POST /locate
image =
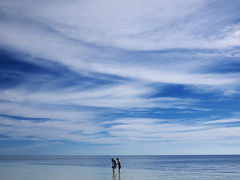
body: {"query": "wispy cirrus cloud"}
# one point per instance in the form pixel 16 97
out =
pixel 119 131
pixel 164 130
pixel 121 96
pixel 54 32
pixel 106 72
pixel 48 130
pixel 229 120
pixel 139 24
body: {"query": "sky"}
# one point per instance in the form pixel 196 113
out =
pixel 100 77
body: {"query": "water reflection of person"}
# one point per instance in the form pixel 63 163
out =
pixel 119 178
pixel 114 176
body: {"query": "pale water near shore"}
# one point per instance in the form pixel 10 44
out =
pixel 134 168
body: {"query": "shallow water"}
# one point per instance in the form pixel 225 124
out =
pixel 134 167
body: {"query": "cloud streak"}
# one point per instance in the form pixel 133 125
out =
pixel 49 29
pixel 103 72
pixel 138 25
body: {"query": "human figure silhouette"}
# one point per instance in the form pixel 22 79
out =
pixel 119 165
pixel 114 165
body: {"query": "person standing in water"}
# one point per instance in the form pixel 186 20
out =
pixel 119 164
pixel 114 165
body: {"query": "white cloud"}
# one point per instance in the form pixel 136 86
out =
pixel 129 95
pixel 230 120
pixel 49 130
pixel 104 37
pixel 48 111
pixel 136 25
pixel 125 25
pixel 120 131
pixel 163 130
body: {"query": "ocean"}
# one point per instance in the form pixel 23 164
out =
pixel 162 167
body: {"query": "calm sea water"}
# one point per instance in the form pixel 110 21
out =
pixel 133 167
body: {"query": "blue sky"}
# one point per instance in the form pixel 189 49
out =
pixel 120 77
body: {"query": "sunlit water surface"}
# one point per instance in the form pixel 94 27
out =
pixel 133 167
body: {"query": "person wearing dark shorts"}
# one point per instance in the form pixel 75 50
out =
pixel 119 164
